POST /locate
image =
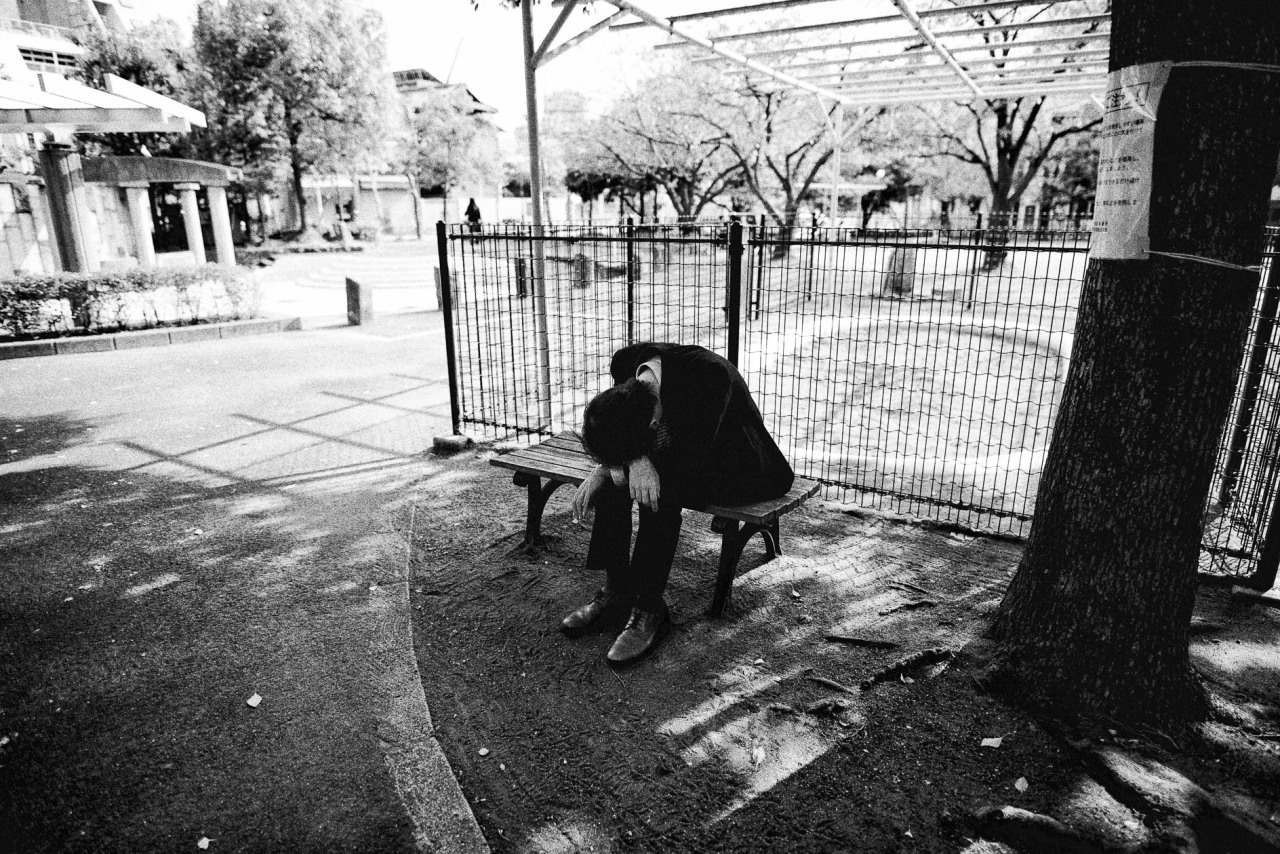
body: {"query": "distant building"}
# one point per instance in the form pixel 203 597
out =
pixel 42 35
pixel 414 82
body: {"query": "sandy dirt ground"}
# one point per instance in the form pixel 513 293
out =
pixel 724 741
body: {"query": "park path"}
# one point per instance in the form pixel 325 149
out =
pixel 194 526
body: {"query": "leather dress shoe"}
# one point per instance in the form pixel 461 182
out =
pixel 639 638
pixel 585 618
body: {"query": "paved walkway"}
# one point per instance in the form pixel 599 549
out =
pixel 187 528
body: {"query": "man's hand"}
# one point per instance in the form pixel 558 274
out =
pixel 586 494
pixel 643 479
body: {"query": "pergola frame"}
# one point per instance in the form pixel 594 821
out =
pixel 1040 56
pixel 864 74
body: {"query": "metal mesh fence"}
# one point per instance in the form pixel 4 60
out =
pixel 1240 539
pixel 912 371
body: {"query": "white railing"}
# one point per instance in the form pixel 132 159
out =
pixel 52 31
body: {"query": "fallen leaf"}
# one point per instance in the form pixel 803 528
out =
pixel 484 751
pixel 993 742
pixel 203 843
pixel 253 701
pixel 1021 784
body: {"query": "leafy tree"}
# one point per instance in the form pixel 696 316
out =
pixel 899 186
pixel 1069 178
pixel 657 133
pixel 1096 619
pixel 154 56
pixel 305 80
pixel 454 144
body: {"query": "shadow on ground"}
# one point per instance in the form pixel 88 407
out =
pixel 140 611
pixel 722 740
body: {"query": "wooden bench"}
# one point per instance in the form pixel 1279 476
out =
pixel 561 460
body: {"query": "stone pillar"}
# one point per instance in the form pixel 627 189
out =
pixel 191 220
pixel 140 216
pixel 68 207
pixel 220 214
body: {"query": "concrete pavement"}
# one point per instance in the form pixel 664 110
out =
pixel 189 527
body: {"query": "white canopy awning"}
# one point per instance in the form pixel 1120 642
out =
pixel 63 107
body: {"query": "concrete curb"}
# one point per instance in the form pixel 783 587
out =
pixel 428 788
pixel 147 337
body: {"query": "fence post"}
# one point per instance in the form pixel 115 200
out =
pixel 813 251
pixel 631 280
pixel 757 281
pixel 973 265
pixel 1252 381
pixel 734 317
pixel 446 305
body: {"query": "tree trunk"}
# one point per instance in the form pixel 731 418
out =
pixel 417 207
pixel 1096 618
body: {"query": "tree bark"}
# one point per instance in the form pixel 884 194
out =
pixel 1096 619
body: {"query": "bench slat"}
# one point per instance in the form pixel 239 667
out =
pixel 562 458
pixel 557 470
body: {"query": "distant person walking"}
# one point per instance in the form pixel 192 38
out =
pixel 473 216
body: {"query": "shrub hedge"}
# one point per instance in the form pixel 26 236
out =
pixel 39 304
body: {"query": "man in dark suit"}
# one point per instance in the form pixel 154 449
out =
pixel 678 428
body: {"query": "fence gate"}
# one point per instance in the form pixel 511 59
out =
pixel 915 371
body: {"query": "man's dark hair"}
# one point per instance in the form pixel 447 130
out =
pixel 616 428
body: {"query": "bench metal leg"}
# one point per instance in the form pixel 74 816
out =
pixel 733 539
pixel 538 497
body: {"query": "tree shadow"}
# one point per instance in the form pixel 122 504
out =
pixel 144 605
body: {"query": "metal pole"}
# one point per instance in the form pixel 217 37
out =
pixel 541 345
pixel 631 281
pixel 446 306
pixel 735 291
pixel 835 181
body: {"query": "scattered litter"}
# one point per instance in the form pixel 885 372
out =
pixel 830 683
pixel 1021 784
pixel 854 641
pixel 804 618
pixel 198 532
pixel 253 701
pixel 203 843
pixel 757 755
pixel 909 606
pixel 502 767
pixel 86 586
pixel 795 594
pixel 905 679
pixel 908 834
pixel 4 739
pixel 993 742
pixel 69 599
pixel 484 751
pixel 829 706
pixel 758 662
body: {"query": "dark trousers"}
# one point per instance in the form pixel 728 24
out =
pixel 643 576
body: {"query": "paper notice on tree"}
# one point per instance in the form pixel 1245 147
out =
pixel 1122 211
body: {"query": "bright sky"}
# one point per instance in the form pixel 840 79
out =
pixel 482 47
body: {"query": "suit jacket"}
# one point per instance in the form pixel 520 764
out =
pixel 720 450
